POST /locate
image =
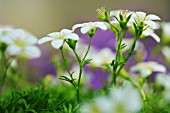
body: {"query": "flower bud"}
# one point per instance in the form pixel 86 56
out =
pixel 3 46
pixel 103 14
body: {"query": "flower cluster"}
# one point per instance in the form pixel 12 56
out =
pixel 125 99
pixel 19 42
pixel 120 91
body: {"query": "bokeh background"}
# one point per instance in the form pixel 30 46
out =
pixel 43 16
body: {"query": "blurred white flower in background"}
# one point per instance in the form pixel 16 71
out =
pixel 57 38
pixel 125 99
pixel 99 57
pixel 128 42
pixel 20 42
pixel 4 34
pixel 86 27
pixel 147 68
pixel 164 80
pixel 165 29
pixel 166 52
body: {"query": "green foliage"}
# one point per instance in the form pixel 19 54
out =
pixel 38 100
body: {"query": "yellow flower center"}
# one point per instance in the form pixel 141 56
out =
pixel 19 42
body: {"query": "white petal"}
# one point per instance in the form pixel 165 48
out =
pixel 31 40
pixel 145 72
pixel 6 39
pixel 114 22
pixel 166 52
pixel 85 29
pixel 159 68
pixel 156 37
pixel 101 25
pixel 14 50
pixel 152 17
pixel 72 36
pixel 135 68
pixel 166 28
pixel 77 26
pixel 151 24
pixel 18 33
pixel 141 15
pixel 57 43
pixel 164 80
pixel 33 51
pixel 66 32
pixel 44 39
pixel 54 34
pixel 114 13
pixel 148 32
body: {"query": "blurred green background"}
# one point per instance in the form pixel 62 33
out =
pixel 44 16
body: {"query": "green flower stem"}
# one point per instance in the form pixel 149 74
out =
pixel 87 49
pixel 80 73
pixel 126 76
pixel 3 69
pixel 118 52
pixel 114 28
pixel 65 63
pixel 139 88
pixel 81 68
pixel 129 55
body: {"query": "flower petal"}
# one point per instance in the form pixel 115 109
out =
pixel 141 15
pixel 18 33
pixel 6 39
pixel 85 29
pixel 72 36
pixel 77 26
pixel 152 17
pixel 14 50
pixel 57 43
pixel 54 34
pixel 33 51
pixel 151 24
pixel 156 37
pixel 101 25
pixel 159 68
pixel 31 40
pixel 66 32
pixel 148 31
pixel 44 39
pixel 145 72
pixel 114 13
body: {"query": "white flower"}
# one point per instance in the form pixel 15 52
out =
pixel 99 57
pixel 146 68
pixel 124 13
pixel 57 38
pixel 86 27
pixel 166 52
pixel 125 99
pixel 129 42
pixel 163 80
pixel 150 32
pixel 166 29
pixel 21 43
pixel 5 34
pixel 141 18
